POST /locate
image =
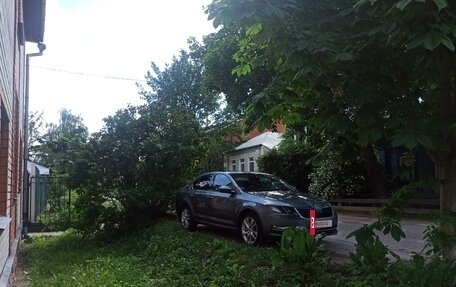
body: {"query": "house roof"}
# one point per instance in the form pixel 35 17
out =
pixel 267 139
pixel 41 169
pixel 34 17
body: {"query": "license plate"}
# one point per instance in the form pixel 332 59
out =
pixel 323 223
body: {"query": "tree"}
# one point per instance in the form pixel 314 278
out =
pixel 58 147
pixel 179 85
pixel 218 59
pixel 35 131
pixel 291 161
pixel 130 170
pixel 375 72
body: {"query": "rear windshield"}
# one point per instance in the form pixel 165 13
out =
pixel 260 182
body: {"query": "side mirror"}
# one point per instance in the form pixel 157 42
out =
pixel 225 189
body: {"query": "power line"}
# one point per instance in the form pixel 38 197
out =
pixel 87 74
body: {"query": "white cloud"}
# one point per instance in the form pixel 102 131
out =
pixel 107 38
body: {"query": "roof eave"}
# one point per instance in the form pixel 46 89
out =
pixel 34 19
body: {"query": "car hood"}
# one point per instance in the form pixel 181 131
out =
pixel 292 198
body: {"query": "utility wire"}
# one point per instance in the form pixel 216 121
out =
pixel 87 74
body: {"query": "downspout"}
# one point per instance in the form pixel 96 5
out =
pixel 26 201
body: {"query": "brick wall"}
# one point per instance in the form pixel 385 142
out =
pixel 6 152
pixel 12 61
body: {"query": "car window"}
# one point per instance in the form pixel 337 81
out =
pixel 222 180
pixel 260 182
pixel 204 182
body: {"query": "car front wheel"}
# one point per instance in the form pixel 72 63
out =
pixel 251 229
pixel 186 219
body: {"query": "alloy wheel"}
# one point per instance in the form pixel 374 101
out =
pixel 185 218
pixel 249 230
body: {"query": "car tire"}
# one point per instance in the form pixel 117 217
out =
pixel 186 219
pixel 250 229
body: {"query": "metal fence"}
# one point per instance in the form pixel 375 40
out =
pixel 49 203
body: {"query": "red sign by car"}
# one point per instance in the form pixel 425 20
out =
pixel 312 222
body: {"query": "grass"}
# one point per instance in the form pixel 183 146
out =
pixel 167 255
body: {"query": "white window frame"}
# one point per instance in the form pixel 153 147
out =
pixel 233 165
pixel 251 163
pixel 242 164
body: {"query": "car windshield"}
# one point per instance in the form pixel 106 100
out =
pixel 260 182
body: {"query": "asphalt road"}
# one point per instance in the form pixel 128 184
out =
pixel 340 246
pixel 413 229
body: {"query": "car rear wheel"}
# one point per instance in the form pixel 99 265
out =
pixel 251 229
pixel 186 219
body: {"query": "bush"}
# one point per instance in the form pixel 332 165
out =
pixel 131 170
pixel 298 247
pixel 422 272
pixel 337 177
pixel 291 162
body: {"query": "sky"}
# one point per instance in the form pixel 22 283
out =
pixel 97 50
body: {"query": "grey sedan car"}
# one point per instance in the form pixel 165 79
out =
pixel 259 205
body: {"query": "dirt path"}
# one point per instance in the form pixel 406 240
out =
pixel 20 277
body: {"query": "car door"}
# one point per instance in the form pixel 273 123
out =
pixel 223 204
pixel 200 195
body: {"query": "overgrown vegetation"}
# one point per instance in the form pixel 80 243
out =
pixel 167 255
pixel 335 176
pixel 291 162
pixel 370 72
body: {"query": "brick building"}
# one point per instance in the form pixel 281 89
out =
pixel 20 21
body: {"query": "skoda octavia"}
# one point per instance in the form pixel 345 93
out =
pixel 258 205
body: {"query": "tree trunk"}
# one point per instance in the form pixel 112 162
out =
pixel 447 176
pixel 375 179
pixel 446 159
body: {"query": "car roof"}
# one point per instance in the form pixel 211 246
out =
pixel 233 172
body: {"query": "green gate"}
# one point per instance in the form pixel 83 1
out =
pixel 50 203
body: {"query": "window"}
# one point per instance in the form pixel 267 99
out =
pixel 406 167
pixel 251 163
pixel 233 165
pixel 204 182
pixel 242 164
pixel 260 182
pixel 221 180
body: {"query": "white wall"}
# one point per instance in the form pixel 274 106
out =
pixel 245 154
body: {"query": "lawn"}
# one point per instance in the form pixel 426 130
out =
pixel 162 255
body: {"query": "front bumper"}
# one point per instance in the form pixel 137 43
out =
pixel 277 223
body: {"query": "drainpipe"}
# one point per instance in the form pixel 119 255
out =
pixel 26 195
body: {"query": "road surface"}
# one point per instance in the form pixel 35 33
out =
pixel 340 246
pixel 413 229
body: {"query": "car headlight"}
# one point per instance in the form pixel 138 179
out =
pixel 285 210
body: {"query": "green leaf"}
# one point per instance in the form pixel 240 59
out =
pixel 217 21
pixel 407 139
pixel 441 4
pixel 432 40
pixel 342 57
pixel 253 29
pixel 402 4
pixel 377 29
pixel 453 126
pixel 447 42
pixel 416 42
pixel 397 233
pixel 242 70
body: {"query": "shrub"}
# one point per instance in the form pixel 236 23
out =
pixel 290 161
pixel 337 177
pixel 422 272
pixel 297 246
pixel 131 170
